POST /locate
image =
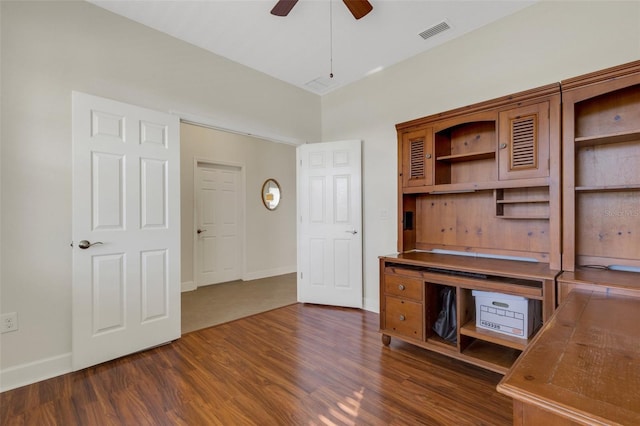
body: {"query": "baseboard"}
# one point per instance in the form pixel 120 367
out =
pixel 32 372
pixel 269 273
pixel 188 286
pixel 372 305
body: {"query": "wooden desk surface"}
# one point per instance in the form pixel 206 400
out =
pixel 584 365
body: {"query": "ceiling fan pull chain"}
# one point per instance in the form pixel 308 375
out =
pixel 330 38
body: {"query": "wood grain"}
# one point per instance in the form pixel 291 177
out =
pixel 584 365
pixel 301 364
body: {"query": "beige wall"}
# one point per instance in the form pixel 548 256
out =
pixel 542 44
pixel 270 236
pixel 49 49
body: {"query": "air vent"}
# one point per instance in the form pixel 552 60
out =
pixel 321 85
pixel 436 29
pixel 417 159
pixel 523 143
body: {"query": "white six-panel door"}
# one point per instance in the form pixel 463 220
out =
pixel 218 214
pixel 330 223
pixel 126 202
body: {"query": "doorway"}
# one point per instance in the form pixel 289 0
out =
pixel 267 238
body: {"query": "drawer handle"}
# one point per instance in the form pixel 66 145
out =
pixel 402 318
pixel 401 287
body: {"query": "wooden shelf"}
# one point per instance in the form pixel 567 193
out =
pixel 497 355
pixel 618 137
pixel 439 341
pixel 470 329
pixel 608 188
pixel 530 217
pixel 471 156
pixel 539 200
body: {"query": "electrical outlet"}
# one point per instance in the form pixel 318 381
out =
pixel 9 322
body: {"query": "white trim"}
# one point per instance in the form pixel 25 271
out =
pixel 269 273
pixel 237 128
pixel 187 286
pixel 32 372
pixel 243 202
pixel 372 305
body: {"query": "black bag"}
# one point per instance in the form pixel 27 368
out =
pixel 445 325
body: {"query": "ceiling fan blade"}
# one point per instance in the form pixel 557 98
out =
pixel 358 8
pixel 283 7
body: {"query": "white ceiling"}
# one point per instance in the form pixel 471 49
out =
pixel 297 48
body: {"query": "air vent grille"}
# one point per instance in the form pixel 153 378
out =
pixel 417 159
pixel 436 29
pixel 523 143
pixel 321 85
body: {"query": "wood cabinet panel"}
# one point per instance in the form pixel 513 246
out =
pixel 399 285
pixel 469 220
pixel 404 317
pixel 524 142
pixel 416 151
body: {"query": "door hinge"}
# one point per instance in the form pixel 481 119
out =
pixel 300 275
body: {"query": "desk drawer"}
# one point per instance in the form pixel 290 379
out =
pixel 402 286
pixel 404 317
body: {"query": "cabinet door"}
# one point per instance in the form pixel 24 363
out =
pixel 524 142
pixel 417 158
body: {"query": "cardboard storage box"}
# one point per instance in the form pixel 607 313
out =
pixel 513 315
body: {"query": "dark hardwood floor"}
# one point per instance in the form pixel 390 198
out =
pixel 297 365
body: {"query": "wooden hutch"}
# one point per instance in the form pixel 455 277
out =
pixel 482 181
pixel 601 182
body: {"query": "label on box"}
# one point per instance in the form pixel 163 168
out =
pixel 502 320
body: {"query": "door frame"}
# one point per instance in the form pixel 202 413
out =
pixel 241 204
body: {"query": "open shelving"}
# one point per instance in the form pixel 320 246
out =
pixel 432 272
pixel 601 140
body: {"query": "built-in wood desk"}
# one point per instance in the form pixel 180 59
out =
pixel 583 367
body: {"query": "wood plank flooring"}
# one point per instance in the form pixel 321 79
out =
pixel 296 365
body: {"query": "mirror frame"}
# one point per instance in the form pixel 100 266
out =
pixel 269 204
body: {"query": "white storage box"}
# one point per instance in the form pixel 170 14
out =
pixel 513 315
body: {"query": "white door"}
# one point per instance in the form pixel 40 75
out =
pixel 330 223
pixel 218 213
pixel 126 202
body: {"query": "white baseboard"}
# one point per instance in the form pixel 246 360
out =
pixel 372 305
pixel 269 273
pixel 188 286
pixel 32 372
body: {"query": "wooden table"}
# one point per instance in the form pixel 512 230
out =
pixel 583 367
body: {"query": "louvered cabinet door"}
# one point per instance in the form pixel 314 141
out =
pixel 417 158
pixel 524 142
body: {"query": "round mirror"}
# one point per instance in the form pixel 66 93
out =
pixel 271 194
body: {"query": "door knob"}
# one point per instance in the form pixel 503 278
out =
pixel 84 244
pixel 354 232
pixel 200 231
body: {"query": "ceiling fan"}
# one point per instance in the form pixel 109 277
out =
pixel 358 8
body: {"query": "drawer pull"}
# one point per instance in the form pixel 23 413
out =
pixel 402 318
pixel 401 287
